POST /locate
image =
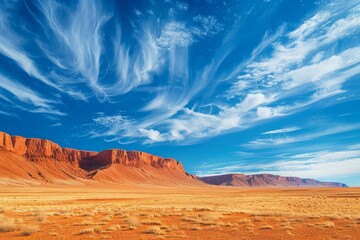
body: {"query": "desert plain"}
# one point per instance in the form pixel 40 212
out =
pixel 178 212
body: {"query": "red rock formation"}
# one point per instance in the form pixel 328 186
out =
pixel 112 156
pixel 37 149
pixel 19 145
pixel 36 160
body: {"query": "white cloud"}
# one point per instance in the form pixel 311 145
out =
pixel 207 26
pixel 182 6
pixel 29 99
pixel 282 130
pixel 112 120
pixel 251 101
pixel 152 135
pixel 292 52
pixel 237 89
pixel 270 142
pixel 132 69
pixel 317 71
pixel 270 112
pixel 138 12
pixel 76 44
pixel 58 124
pixel 305 64
pixel 10 46
pixel 175 34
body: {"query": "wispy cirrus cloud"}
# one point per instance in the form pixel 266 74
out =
pixel 282 130
pixel 27 99
pixel 183 75
pixel 74 45
pixel 10 46
pixel 314 134
pixel 298 64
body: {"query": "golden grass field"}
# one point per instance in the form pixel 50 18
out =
pixel 101 212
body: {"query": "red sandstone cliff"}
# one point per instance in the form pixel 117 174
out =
pixel 109 165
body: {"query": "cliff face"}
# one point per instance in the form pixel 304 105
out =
pixel 36 149
pixel 264 180
pixel 40 151
pixel 5 141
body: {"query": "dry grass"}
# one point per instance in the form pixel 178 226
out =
pixel 155 230
pixel 113 227
pixel 106 218
pixel 86 231
pixel 28 230
pixel 257 219
pixel 151 222
pixel 244 221
pixel 7 225
pixel 327 224
pixel 196 228
pixel 194 215
pixel 133 222
pixel 85 222
pixel 266 227
pixel 40 216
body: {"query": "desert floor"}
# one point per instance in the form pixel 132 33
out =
pixel 178 213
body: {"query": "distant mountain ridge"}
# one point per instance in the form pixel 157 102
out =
pixel 265 180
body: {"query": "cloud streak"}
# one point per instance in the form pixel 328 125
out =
pixel 30 100
pixel 314 134
pixel 282 130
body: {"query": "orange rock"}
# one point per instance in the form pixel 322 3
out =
pixel 34 148
pixel 113 156
pixel 19 145
pixel 5 141
pixel 41 148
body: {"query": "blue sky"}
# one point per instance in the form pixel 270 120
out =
pixel 223 86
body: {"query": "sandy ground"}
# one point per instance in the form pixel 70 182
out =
pixel 178 213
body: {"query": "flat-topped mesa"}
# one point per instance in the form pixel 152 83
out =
pixel 37 149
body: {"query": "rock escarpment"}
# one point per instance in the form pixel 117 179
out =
pixel 36 149
pixel 88 164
